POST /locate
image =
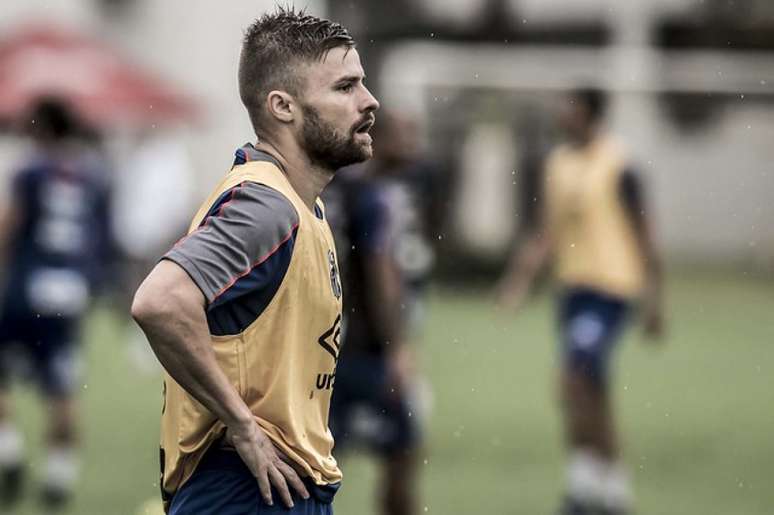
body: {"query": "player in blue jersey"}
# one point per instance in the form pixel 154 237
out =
pixel 54 237
pixel 376 213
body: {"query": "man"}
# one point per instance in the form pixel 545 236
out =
pixel 386 260
pixel 594 225
pixel 245 312
pixel 54 232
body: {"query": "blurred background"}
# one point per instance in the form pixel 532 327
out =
pixel 691 83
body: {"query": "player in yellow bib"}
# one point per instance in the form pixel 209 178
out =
pixel 595 230
pixel 244 313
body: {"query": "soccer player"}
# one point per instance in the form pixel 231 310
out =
pixel 377 218
pixel 596 230
pixel 244 313
pixel 54 234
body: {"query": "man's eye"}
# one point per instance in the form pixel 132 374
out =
pixel 345 88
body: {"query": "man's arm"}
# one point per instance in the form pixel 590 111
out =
pixel 523 267
pixel 10 216
pixel 384 298
pixel 529 257
pixel 634 202
pixel 170 309
pixel 372 217
pixel 9 220
pixel 180 303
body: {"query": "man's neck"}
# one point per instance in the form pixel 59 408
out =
pixel 584 140
pixel 307 180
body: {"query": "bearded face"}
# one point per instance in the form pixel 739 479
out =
pixel 332 148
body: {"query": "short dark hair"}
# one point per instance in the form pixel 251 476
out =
pixel 274 45
pixel 594 99
pixel 52 118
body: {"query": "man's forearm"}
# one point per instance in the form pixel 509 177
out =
pixel 654 288
pixel 187 356
pixel 525 264
pixel 384 299
pixel 174 322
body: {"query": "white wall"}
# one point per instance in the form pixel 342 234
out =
pixel 713 189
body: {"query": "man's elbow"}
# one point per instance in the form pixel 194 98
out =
pixel 147 305
pixel 165 296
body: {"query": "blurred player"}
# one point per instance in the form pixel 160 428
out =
pixel 55 236
pixel 385 259
pixel 596 230
pixel 245 312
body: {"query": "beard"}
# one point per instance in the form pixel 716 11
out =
pixel 328 147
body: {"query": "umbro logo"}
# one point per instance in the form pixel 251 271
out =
pixel 329 340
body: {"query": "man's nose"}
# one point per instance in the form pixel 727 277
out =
pixel 370 103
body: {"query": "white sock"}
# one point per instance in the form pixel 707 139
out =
pixel 11 445
pixel 617 488
pixel 586 477
pixel 62 468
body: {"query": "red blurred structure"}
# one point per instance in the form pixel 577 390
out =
pixel 105 88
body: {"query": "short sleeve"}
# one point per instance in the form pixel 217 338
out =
pixel 245 227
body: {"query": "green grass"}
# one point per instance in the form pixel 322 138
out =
pixel 696 414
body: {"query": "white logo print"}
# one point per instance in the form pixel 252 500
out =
pixel 334 272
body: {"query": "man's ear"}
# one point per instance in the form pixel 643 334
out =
pixel 281 105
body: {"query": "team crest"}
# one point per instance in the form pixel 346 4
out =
pixel 334 271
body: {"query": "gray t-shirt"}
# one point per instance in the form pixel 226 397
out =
pixel 239 254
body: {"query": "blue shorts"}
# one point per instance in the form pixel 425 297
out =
pixel 590 323
pixel 223 485
pixel 363 410
pixel 42 349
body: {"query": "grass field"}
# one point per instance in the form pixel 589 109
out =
pixel 697 413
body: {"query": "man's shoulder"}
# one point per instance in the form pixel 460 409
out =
pixel 267 197
pixel 558 154
pixel 256 203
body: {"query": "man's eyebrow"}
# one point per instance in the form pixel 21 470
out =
pixel 351 78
